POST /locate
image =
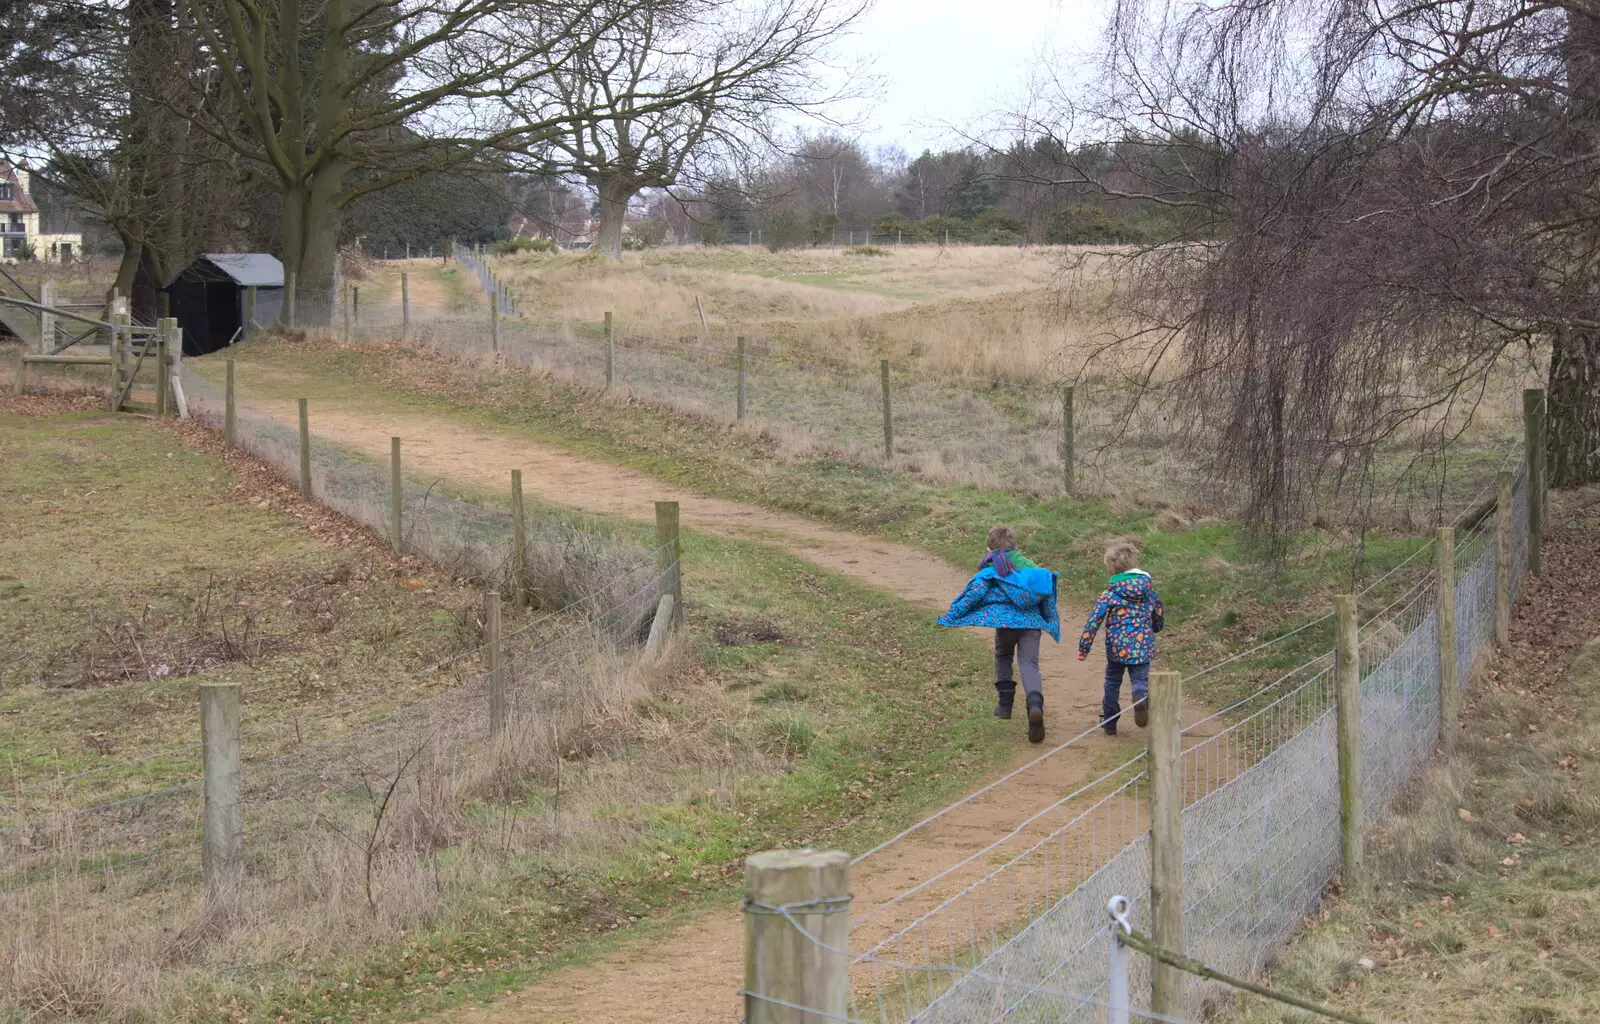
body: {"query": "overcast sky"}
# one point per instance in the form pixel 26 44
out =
pixel 956 62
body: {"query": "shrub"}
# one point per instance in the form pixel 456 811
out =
pixel 522 243
pixel 866 250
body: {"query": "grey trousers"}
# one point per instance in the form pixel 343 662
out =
pixel 1018 645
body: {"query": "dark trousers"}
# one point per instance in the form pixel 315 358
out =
pixel 1012 645
pixel 1138 675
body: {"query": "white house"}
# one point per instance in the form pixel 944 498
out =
pixel 19 223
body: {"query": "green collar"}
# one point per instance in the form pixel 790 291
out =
pixel 1132 574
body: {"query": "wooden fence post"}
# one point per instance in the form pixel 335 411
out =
pixel 611 354
pixel 740 402
pixel 519 542
pixel 397 499
pixel 345 309
pixel 497 670
pixel 1533 442
pixel 288 299
pixel 797 958
pixel 305 451
pixel 1347 695
pixel 1166 837
pixel 1069 440
pixel 405 301
pixel 230 412
pixel 249 311
pixel 47 318
pixel 669 553
pixel 494 320
pixel 888 411
pixel 22 374
pixel 355 303
pixel 1444 551
pixel 1502 561
pixel 222 821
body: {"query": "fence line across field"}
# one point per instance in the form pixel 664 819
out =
pixel 1267 812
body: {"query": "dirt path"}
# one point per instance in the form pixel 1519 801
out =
pixel 693 976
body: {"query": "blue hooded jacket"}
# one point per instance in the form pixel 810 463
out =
pixel 1021 599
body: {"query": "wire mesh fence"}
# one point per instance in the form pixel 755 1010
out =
pixel 1017 931
pixel 952 429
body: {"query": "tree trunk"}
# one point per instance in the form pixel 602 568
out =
pixel 127 268
pixel 614 196
pixel 1572 446
pixel 311 218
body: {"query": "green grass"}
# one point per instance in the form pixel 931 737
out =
pixel 130 565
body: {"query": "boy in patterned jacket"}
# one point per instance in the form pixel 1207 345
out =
pixel 1132 615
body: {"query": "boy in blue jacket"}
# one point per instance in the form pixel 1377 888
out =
pixel 1132 614
pixel 1017 599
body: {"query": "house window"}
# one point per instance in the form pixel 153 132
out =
pixel 66 251
pixel 5 191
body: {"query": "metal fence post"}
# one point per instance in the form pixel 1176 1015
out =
pixel 888 411
pixel 249 312
pixel 305 451
pixel 497 671
pixel 519 542
pixel 1533 441
pixel 397 493
pixel 1117 1000
pixel 1502 560
pixel 1347 694
pixel 1069 441
pixel 355 303
pixel 405 302
pixel 345 308
pixel 796 933
pixel 222 823
pixel 1166 837
pixel 230 412
pixel 669 552
pixel 611 353
pixel 740 403
pixel 1445 621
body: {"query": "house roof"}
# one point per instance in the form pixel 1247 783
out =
pixel 20 201
pixel 249 268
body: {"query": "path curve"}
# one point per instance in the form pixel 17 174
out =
pixel 693 975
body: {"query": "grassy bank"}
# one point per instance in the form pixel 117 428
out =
pixel 1485 902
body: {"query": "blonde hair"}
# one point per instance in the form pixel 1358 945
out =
pixel 1002 538
pixel 1122 555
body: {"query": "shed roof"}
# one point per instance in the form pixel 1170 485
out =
pixel 248 269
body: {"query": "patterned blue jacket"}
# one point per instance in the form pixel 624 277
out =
pixel 1132 614
pixel 1026 599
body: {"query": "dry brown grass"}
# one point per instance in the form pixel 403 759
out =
pixel 334 869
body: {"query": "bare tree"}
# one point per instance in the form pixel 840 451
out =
pixel 684 88
pixel 335 99
pixel 1369 206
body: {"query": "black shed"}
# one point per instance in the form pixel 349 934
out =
pixel 208 297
